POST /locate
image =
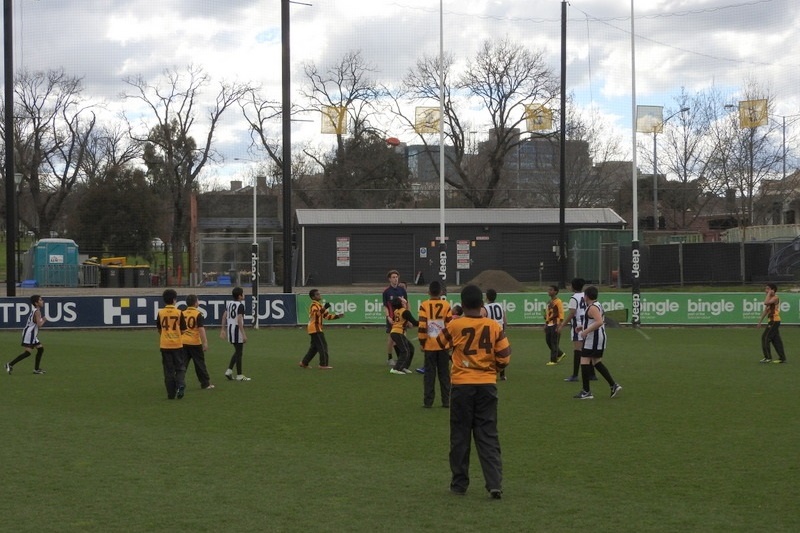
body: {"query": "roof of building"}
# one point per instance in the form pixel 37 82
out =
pixel 460 216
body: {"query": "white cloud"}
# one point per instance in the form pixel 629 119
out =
pixel 680 43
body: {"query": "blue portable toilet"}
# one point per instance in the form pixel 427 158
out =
pixel 55 263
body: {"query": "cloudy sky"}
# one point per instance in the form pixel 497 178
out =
pixel 691 44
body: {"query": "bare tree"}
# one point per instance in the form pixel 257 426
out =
pixel 53 125
pixel 173 156
pixel 501 80
pixel 744 154
pixel 685 153
pixel 361 171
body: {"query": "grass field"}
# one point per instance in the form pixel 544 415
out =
pixel 702 438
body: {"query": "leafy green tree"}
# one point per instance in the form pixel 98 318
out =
pixel 117 212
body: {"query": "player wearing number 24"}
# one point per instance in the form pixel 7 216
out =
pixel 480 349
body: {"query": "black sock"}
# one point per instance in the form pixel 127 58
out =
pixel 19 358
pixel 389 356
pixel 585 373
pixel 39 352
pixel 576 362
pixel 600 367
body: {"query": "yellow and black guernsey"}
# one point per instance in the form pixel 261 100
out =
pixel 171 324
pixel 194 321
pixel 480 350
pixel 434 314
pixel 316 314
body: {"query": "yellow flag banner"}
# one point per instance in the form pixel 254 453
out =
pixel 426 119
pixel 538 117
pixel 752 113
pixel 334 120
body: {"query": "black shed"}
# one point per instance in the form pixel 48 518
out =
pixel 346 246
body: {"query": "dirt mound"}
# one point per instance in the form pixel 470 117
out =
pixel 498 280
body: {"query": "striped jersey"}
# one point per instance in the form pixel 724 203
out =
pixel 316 314
pixel 577 303
pixel 774 310
pixel 194 321
pixel 433 315
pixel 496 312
pixel 554 313
pixel 480 350
pixel 595 340
pixel 403 319
pixel 30 333
pixel 233 310
pixel 170 324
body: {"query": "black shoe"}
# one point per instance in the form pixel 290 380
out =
pixel 458 491
pixel 180 392
pixel 496 494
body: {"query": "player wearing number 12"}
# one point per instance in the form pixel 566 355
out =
pixel 434 314
pixel 480 349
pixel 171 325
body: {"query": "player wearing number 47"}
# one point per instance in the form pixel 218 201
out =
pixel 434 314
pixel 316 314
pixel 171 324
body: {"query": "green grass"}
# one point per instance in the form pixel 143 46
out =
pixel 702 438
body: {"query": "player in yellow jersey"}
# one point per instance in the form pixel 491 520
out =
pixel 772 335
pixel 552 319
pixel 434 314
pixel 479 349
pixel 402 320
pixel 316 314
pixel 195 342
pixel 171 324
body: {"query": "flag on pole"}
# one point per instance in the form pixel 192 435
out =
pixel 334 120
pixel 752 113
pixel 538 117
pixel 426 119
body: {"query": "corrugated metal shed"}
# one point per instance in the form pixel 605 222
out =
pixel 328 217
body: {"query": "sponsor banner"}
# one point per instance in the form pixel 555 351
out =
pixel 138 311
pixel 656 309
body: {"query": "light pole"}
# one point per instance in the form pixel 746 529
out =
pixel 254 248
pixel 657 128
pixel 17 182
pixel 8 120
pixel 254 254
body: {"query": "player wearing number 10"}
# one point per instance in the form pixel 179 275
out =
pixel 480 349
pixel 195 341
pixel 171 324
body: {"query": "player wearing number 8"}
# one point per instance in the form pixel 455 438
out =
pixel 480 349
pixel 433 315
